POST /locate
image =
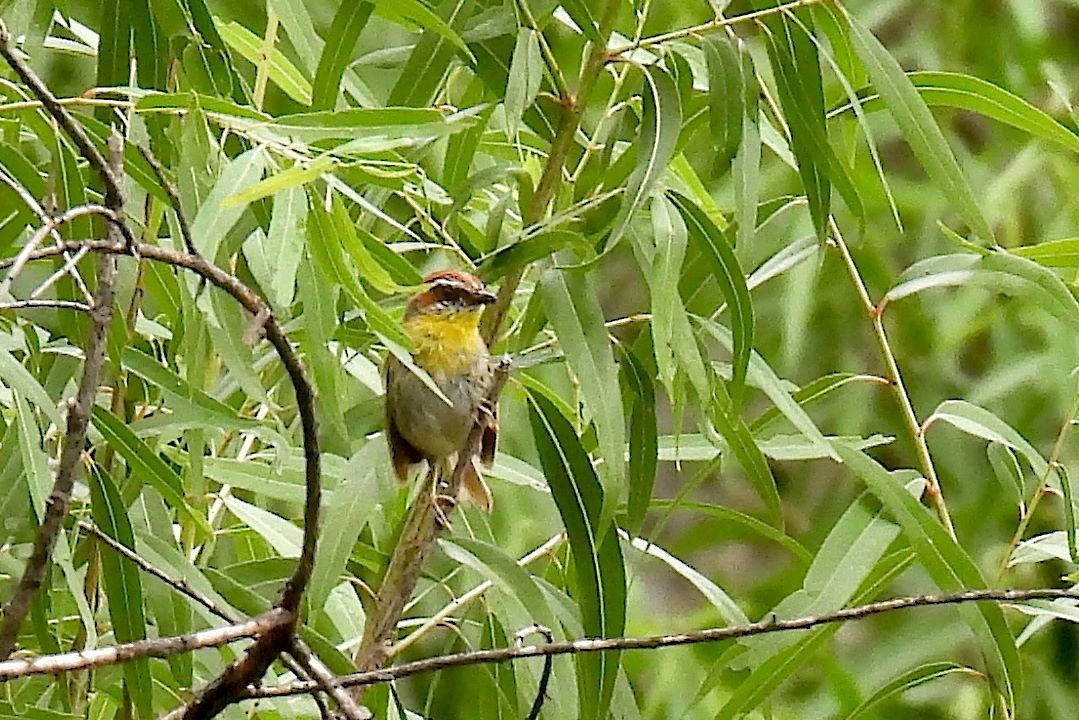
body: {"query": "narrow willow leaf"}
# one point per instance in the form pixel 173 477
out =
pixel 951 569
pixel 284 180
pixel 744 447
pixel 348 507
pixel 766 677
pixel 284 537
pixel 816 390
pixel 214 219
pixel 761 375
pixel 597 557
pixel 1007 470
pixel 526 74
pixel 997 271
pixel 719 599
pixel 341 43
pixel 145 464
pixel 123 587
pixel 979 422
pixel 726 96
pixel 643 442
pixel 281 71
pixel 732 282
pixel 285 244
pixel 750 523
pixel 911 679
pixel 796 69
pixel 1055 253
pixel 16 377
pixel 670 234
pixel 422 76
pixel 1069 511
pixel 845 560
pixel 919 128
pixel 572 307
pixel 660 125
pixel 967 92
pixel 581 15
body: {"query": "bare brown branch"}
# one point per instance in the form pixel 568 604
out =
pixel 652 642
pixel 78 417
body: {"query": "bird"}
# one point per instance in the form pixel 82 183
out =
pixel 443 323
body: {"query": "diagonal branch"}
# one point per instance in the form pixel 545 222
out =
pixel 78 417
pixel 422 527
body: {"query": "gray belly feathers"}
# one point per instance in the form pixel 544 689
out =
pixel 431 426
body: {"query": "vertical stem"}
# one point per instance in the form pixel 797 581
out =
pixel 1043 486
pixel 572 109
pixel 262 74
pixel 910 419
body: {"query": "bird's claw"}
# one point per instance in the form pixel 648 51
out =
pixel 442 505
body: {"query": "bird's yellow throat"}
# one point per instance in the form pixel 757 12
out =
pixel 446 344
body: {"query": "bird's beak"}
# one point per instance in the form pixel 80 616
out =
pixel 485 296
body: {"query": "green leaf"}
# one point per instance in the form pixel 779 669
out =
pixel 997 271
pixel 726 94
pixel 726 607
pixel 669 231
pixel 750 523
pixel 958 90
pixel 526 75
pixel 123 587
pixel 15 376
pixel 146 466
pixel 284 537
pixel 348 507
pixel 1006 468
pixel 348 22
pixel 761 375
pixel 911 679
pixel 744 447
pixel 597 558
pixel 572 306
pixel 1055 253
pixel 951 569
pixel 643 441
pixel 660 124
pixel 286 179
pixel 732 282
pixel 280 70
pixel 919 128
pixel 285 244
pixel 979 422
pixel 214 219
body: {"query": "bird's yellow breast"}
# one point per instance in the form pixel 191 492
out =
pixel 446 344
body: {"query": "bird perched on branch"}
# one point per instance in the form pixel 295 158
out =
pixel 443 323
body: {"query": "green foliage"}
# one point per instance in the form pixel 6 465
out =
pixel 726 372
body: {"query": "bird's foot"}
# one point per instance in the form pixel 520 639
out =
pixel 443 505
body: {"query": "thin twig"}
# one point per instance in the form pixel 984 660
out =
pixel 457 603
pixel 36 304
pixel 184 588
pixel 43 216
pixel 155 647
pixel 78 417
pixel 417 541
pixel 573 108
pixel 710 26
pixel 173 195
pixel 651 642
pixel 910 419
pixel 548 665
pixel 112 179
pixel 326 680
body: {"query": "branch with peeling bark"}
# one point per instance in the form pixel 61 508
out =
pixel 423 525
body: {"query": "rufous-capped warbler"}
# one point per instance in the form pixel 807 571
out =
pixel 443 323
